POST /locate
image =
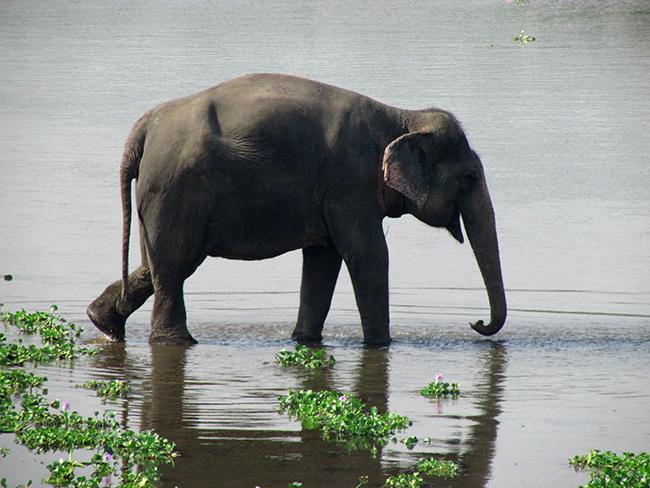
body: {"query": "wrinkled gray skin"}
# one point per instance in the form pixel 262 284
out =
pixel 265 164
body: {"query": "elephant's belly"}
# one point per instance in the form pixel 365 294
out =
pixel 267 238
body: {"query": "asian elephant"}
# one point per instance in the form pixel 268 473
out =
pixel 268 163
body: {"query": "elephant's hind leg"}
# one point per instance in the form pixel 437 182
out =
pixel 320 269
pixel 175 248
pixel 108 313
pixel 169 318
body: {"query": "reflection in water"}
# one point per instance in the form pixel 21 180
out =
pixel 250 457
pixel 247 455
pixel 477 459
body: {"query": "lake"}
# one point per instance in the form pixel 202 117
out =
pixel 562 129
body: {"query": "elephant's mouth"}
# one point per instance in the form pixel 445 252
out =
pixel 455 229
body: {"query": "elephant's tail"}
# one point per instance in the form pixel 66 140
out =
pixel 129 166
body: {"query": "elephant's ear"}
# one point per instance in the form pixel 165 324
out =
pixel 404 165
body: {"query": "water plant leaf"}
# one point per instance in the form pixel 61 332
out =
pixel 610 470
pixel 522 38
pixel 405 480
pixel 305 357
pixel 435 467
pixel 108 389
pixel 343 418
pixel 440 389
pixel 57 335
pixel 43 425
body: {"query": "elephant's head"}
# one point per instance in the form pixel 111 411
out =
pixel 442 178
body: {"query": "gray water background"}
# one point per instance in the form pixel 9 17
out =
pixel 562 128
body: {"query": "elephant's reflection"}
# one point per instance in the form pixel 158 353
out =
pixel 247 457
pixel 477 458
pixel 272 458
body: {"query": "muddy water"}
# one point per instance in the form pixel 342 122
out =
pixel 561 126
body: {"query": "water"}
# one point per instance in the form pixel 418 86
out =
pixel 561 127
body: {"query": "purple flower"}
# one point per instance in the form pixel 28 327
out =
pixel 107 481
pixel 343 398
pixel 108 457
pixel 65 405
pixel 438 377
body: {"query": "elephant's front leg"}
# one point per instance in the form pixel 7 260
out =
pixel 320 269
pixel 366 256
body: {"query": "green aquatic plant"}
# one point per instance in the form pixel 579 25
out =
pixel 435 467
pixel 424 467
pixel 522 38
pixel 610 470
pixel 439 389
pixel 52 328
pixel 57 335
pixel 404 480
pixel 343 418
pixel 17 354
pixel 108 389
pixel 7 277
pixel 3 484
pixel 13 381
pixel 41 425
pixel 363 481
pixel 305 357
pixel 410 442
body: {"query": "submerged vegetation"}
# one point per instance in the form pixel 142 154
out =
pixel 610 470
pixel 99 449
pixel 305 357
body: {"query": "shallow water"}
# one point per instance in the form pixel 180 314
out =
pixel 561 127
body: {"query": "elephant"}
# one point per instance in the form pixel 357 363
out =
pixel 266 163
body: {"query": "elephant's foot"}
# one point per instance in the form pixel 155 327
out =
pixel 376 340
pixel 104 316
pixel 167 337
pixel 306 339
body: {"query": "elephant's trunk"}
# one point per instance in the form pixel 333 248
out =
pixel 478 217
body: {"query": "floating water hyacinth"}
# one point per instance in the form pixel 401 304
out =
pixel 522 38
pixel 305 357
pixel 439 389
pixel 118 456
pixel 405 480
pixel 343 418
pixel 8 277
pixel 441 469
pixel 608 469
pixel 108 389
